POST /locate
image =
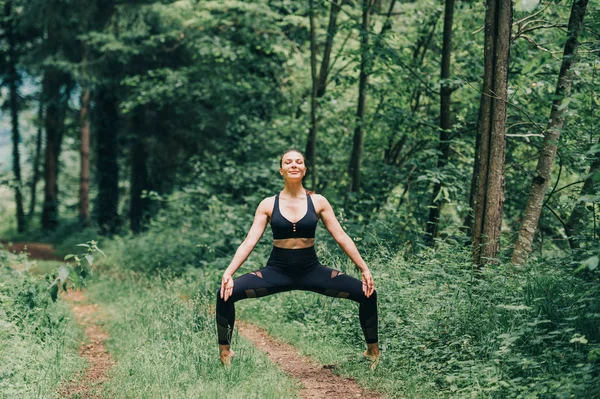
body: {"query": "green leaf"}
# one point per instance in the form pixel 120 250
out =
pixel 526 5
pixel 579 339
pixel 63 274
pixel 69 256
pixel 83 245
pixel 591 262
pixel 54 291
pixel 564 104
pixel 90 259
pixel 529 66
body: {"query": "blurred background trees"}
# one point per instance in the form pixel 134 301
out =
pixel 416 126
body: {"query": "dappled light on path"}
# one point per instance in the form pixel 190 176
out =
pixel 317 381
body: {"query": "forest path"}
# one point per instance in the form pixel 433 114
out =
pixel 87 315
pixel 317 381
pixel 92 348
pixel 36 250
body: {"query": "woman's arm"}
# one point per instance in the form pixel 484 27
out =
pixel 346 243
pixel 245 248
pixel 256 231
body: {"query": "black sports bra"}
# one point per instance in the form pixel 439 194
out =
pixel 303 228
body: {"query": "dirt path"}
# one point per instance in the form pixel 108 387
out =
pixel 87 316
pixel 92 349
pixel 35 250
pixel 317 381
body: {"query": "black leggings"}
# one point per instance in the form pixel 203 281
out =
pixel 296 269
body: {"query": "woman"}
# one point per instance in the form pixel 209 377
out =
pixel 293 264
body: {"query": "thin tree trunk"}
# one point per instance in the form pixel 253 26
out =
pixel 331 32
pixel 319 82
pixel 533 209
pixel 107 168
pixel 435 208
pixel 138 206
pixel 51 89
pixel 84 150
pixel 36 159
pixel 492 122
pixel 311 146
pixel 13 78
pixel 357 145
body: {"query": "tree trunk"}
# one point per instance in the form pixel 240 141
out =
pixel 84 150
pixel 492 122
pixel 357 145
pixel 138 206
pixel 107 168
pixel 319 82
pixel 13 79
pixel 36 159
pixel 311 145
pixel 575 226
pixel 331 32
pixel 51 88
pixel 435 208
pixel 543 172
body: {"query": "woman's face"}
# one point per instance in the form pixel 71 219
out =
pixel 292 166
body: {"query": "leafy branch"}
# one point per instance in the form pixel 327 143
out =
pixel 74 274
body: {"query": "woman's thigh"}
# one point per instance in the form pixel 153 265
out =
pixel 259 283
pixel 331 282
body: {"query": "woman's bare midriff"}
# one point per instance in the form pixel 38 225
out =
pixel 294 243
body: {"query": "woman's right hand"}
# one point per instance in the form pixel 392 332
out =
pixel 226 286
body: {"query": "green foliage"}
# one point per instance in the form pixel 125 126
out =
pixel 163 340
pixel 446 331
pixel 185 234
pixel 38 338
pixel 75 275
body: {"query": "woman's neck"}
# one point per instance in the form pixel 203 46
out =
pixel 293 190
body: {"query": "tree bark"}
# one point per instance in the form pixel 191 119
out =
pixel 311 145
pixel 435 207
pixel 491 130
pixel 36 160
pixel 543 172
pixel 138 206
pixel 51 88
pixel 84 151
pixel 357 144
pixel 13 79
pixel 107 168
pixel 319 82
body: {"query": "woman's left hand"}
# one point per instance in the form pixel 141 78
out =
pixel 368 284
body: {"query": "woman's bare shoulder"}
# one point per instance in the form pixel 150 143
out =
pixel 266 205
pixel 319 201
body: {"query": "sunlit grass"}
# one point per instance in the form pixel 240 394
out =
pixel 164 343
pixel 38 339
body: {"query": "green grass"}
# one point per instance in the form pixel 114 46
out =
pixel 445 334
pixel 163 338
pixel 38 338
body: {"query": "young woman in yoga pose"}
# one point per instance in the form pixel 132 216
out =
pixel 293 263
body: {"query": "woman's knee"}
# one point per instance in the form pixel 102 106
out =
pixel 372 297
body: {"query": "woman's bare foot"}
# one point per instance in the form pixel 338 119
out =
pixel 372 353
pixel 226 354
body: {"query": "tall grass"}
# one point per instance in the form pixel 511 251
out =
pixel 163 338
pixel 445 333
pixel 38 338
